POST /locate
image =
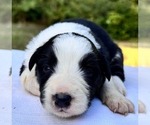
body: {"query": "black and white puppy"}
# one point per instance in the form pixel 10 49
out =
pixel 70 63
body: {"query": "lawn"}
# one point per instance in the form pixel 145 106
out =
pixel 133 55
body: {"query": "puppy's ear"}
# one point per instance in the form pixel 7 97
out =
pixel 104 65
pixel 34 58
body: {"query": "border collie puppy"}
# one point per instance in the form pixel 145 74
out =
pixel 70 63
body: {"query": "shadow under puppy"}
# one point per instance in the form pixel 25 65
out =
pixel 70 63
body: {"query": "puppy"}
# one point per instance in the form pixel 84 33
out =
pixel 70 63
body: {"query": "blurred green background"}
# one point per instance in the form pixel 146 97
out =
pixel 5 24
pixel 118 17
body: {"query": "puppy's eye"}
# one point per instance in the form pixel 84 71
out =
pixel 46 68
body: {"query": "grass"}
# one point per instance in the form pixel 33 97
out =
pixel 133 55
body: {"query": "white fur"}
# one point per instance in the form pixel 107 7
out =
pixel 69 50
pixel 117 56
pixel 74 86
pixel 113 95
pixel 68 77
pixel 119 85
pixel 53 30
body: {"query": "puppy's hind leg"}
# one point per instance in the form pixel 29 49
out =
pixel 29 81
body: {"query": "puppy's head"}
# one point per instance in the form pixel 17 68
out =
pixel 68 72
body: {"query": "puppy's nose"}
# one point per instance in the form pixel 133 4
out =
pixel 62 100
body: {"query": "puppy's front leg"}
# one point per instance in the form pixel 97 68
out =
pixel 29 81
pixel 113 95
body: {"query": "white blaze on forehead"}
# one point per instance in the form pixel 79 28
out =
pixel 53 30
pixel 69 50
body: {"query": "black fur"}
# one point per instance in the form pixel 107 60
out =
pixel 93 74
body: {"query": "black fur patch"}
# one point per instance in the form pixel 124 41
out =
pixel 45 66
pixel 45 61
pixel 92 73
pixel 117 66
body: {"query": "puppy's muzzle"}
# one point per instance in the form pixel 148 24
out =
pixel 62 100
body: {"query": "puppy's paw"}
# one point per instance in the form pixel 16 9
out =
pixel 141 107
pixel 118 103
pixel 29 81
